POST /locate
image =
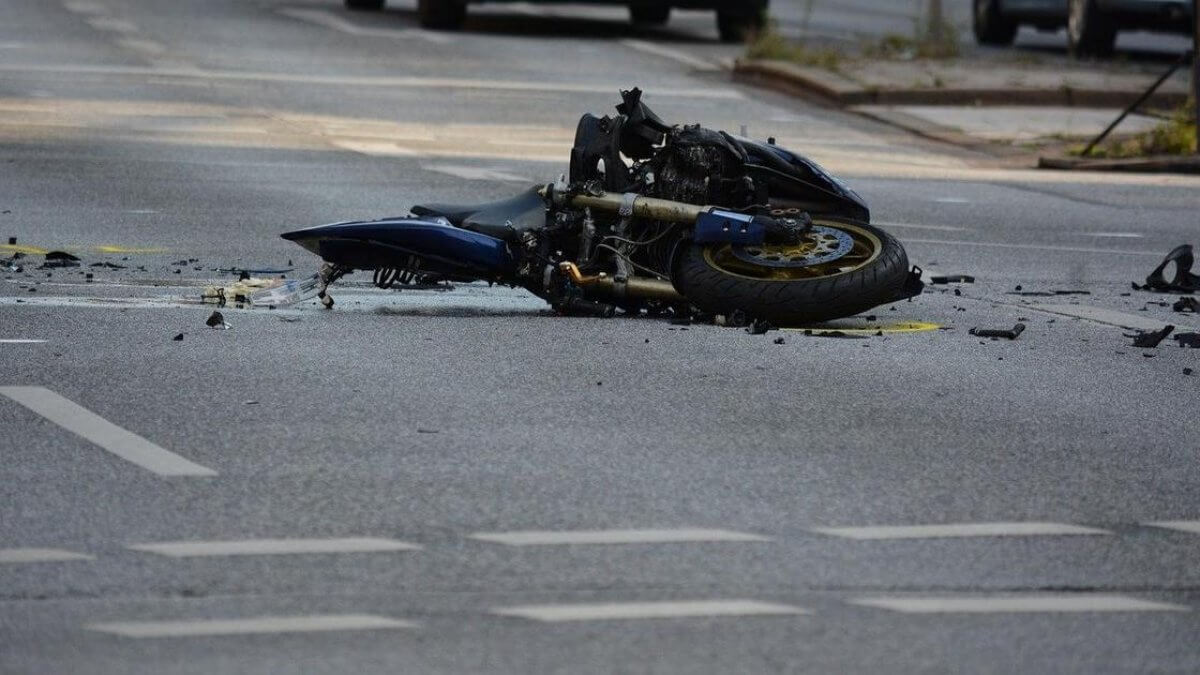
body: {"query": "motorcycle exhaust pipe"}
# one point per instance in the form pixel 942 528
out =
pixel 632 204
pixel 633 287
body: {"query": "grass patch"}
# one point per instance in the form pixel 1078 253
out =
pixel 1173 136
pixel 769 44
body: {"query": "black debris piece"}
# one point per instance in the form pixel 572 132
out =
pixel 111 266
pixel 759 327
pixel 59 259
pixel 878 333
pixel 1010 334
pixel 834 334
pixel 952 279
pixel 178 338
pixel 89 277
pixel 779 341
pixel 1032 293
pixel 1184 281
pixel 1187 305
pixel 1018 287
pixel 244 276
pixel 1150 339
pixel 1149 355
pixel 216 320
pixel 1188 340
pixel 245 272
pixel 1187 371
pixel 12 241
pixel 871 317
pixel 1071 292
pixel 180 263
pixel 957 292
pixel 427 431
pixel 647 340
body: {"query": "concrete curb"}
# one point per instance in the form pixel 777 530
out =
pixel 1140 165
pixel 803 80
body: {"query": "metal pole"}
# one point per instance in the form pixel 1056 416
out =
pixel 935 20
pixel 1196 69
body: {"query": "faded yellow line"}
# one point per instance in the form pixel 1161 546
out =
pixel 885 328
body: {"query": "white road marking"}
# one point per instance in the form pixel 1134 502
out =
pixel 570 537
pixel 390 82
pixel 339 24
pixel 374 148
pixel 476 173
pixel 111 24
pixel 1034 247
pixel 988 604
pixel 191 549
pixel 1021 529
pixel 87 424
pixel 1111 317
pixel 34 555
pixel 915 226
pixel 18 341
pixel 952 200
pixel 146 46
pixel 646 610
pixel 675 55
pixel 1191 526
pixel 1114 235
pixel 252 626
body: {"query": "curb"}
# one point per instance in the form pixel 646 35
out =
pixel 801 80
pixel 1190 165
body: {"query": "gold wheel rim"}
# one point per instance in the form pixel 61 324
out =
pixel 865 250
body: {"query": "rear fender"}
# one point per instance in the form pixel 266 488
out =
pixel 376 244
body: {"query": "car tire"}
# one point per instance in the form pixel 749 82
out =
pixel 1089 31
pixel 738 26
pixel 365 5
pixel 651 15
pixel 991 26
pixel 442 14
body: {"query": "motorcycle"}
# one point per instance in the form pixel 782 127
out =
pixel 652 217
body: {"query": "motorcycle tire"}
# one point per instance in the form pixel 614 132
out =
pixel 767 282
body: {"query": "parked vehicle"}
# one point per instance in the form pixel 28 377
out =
pixel 736 19
pixel 1092 25
pixel 654 218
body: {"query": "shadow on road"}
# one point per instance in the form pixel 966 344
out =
pixel 526 25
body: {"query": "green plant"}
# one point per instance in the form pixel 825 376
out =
pixel 769 44
pixel 1175 135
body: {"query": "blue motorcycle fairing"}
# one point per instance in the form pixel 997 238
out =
pixel 388 243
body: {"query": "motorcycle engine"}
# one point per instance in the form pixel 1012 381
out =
pixel 701 166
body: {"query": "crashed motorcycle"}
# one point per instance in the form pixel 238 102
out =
pixel 655 218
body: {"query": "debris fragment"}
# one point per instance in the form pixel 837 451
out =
pixel 1187 305
pixel 1010 334
pixel 217 320
pixel 1184 281
pixel 111 266
pixel 834 334
pixel 1150 339
pixel 1188 340
pixel 256 270
pixel 427 431
pixel 1071 292
pixel 1187 371
pixel 59 259
pixel 759 327
pixel 952 279
pixel 779 341
pixel 178 338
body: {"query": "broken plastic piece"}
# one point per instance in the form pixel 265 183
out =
pixel 1150 339
pixel 1011 334
pixel 1184 281
pixel 759 327
pixel 1188 340
pixel 952 279
pixel 59 259
pixel 834 334
pixel 1187 305
pixel 216 320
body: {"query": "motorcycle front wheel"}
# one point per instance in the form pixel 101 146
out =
pixel 839 268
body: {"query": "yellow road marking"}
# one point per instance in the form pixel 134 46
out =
pixel 129 249
pixel 885 328
pixel 27 250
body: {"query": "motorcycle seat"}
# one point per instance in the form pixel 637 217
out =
pixel 502 219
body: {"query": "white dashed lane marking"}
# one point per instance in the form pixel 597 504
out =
pixel 1190 526
pixel 18 341
pixel 90 426
pixel 36 555
pixel 1018 529
pixel 984 604
pixel 569 537
pixel 190 549
pixel 257 625
pixel 607 611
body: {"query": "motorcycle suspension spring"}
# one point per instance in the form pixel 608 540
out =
pixel 386 277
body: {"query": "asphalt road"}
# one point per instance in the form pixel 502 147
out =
pixel 332 491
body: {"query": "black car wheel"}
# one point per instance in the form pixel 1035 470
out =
pixel 654 15
pixel 991 26
pixel 738 26
pixel 442 14
pixel 368 5
pixel 1089 31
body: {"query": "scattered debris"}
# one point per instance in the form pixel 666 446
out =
pixel 952 279
pixel 1184 281
pixel 1187 371
pixel 217 320
pixel 256 270
pixel 779 341
pixel 1188 340
pixel 833 334
pixel 1150 339
pixel 1071 292
pixel 430 431
pixel 1010 334
pixel 1187 305
pixel 111 266
pixel 178 338
pixel 1149 355
pixel 759 327
pixel 250 402
pixel 59 259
